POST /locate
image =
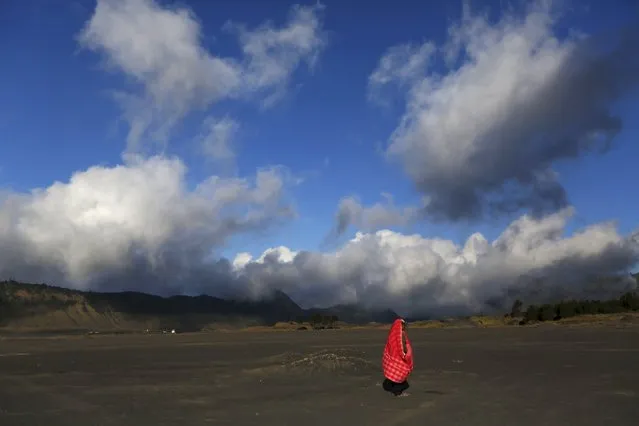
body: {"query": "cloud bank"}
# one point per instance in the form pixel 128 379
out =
pixel 531 259
pixel 482 137
pixel 139 227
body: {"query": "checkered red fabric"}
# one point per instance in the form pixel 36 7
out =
pixel 396 364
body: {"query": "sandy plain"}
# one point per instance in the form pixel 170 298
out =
pixel 546 376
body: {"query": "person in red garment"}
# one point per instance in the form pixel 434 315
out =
pixel 397 362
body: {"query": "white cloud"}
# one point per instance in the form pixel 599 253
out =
pixel 483 136
pixel 271 54
pixel 217 137
pixel 138 222
pixel 279 254
pixel 160 49
pixel 531 259
pixel 402 64
pixel 380 215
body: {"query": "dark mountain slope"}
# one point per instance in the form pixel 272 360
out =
pixel 44 307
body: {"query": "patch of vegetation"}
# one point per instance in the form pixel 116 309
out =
pixel 628 302
pixel 319 321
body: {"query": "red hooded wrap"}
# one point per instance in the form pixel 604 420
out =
pixel 396 363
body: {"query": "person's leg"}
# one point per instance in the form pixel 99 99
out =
pixel 402 387
pixel 388 385
pixel 393 387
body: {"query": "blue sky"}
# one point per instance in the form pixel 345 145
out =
pixel 58 115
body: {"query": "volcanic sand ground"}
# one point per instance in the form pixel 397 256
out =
pixel 525 376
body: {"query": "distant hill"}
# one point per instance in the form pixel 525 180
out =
pixel 354 314
pixel 41 307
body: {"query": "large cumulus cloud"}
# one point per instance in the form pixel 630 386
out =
pixel 135 226
pixel 532 259
pixel 514 99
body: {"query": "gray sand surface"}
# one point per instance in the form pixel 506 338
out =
pixel 541 376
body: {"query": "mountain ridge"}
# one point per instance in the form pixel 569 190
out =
pixel 44 307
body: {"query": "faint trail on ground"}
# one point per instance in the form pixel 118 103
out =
pixel 337 361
